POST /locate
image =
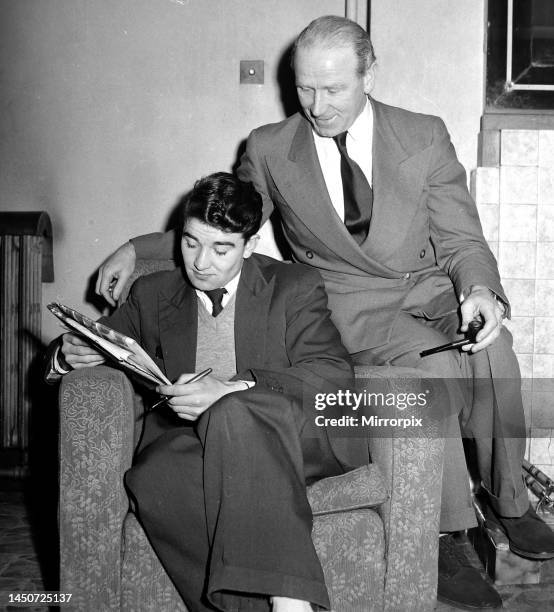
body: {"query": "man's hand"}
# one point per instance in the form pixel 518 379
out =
pixel 481 301
pixel 78 353
pixel 189 401
pixel 115 272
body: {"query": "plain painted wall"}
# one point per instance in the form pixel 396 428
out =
pixel 430 56
pixel 112 108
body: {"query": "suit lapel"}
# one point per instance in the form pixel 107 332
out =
pixel 253 300
pixel 178 323
pixel 300 181
pixel 397 186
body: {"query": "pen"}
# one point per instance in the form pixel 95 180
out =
pixel 195 378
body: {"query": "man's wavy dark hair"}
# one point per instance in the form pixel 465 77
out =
pixel 224 202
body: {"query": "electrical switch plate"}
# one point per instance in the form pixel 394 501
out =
pixel 251 72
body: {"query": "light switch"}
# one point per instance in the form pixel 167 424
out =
pixel 251 72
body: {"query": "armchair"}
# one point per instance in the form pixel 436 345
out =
pixel 375 529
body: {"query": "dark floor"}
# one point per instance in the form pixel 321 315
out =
pixel 28 554
pixel 28 541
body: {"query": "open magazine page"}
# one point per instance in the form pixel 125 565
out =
pixel 125 350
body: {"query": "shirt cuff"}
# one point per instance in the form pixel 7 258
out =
pixel 59 365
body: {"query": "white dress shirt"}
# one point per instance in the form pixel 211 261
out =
pixel 359 142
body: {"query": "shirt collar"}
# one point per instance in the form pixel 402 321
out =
pixel 363 125
pixel 231 287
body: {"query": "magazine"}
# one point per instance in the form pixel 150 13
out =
pixel 116 345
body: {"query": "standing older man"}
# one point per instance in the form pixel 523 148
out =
pixel 375 198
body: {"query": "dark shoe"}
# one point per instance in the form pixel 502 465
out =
pixel 460 584
pixel 529 535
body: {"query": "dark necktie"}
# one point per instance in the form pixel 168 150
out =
pixel 358 196
pixel 216 296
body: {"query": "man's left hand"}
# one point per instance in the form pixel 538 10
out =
pixel 482 303
pixel 189 401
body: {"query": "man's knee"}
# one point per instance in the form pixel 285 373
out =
pixel 251 413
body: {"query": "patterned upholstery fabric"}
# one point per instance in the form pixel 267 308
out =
pixel 380 559
pixel 360 488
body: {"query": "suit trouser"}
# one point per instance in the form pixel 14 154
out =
pixel 224 502
pixel 486 404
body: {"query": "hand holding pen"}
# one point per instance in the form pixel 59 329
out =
pixel 195 378
pixel 190 397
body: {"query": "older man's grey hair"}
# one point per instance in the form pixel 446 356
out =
pixel 331 31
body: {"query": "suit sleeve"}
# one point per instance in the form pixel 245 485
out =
pixel 126 319
pixel 251 170
pixel 155 246
pixel 455 229
pixel 318 360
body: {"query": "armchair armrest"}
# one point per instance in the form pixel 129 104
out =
pixel 412 468
pixel 96 444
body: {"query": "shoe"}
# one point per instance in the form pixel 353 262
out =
pixel 460 584
pixel 529 535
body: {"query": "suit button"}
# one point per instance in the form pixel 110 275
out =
pixel 407 276
pixel 422 254
pixel 309 254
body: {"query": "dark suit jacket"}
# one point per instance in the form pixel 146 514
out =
pixel 425 244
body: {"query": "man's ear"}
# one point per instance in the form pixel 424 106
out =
pixel 369 78
pixel 251 244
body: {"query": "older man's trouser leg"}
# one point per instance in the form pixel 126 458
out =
pixel 224 503
pixel 490 412
pixel 485 398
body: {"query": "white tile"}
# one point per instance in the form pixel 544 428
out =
pixel 543 367
pixel 521 294
pixel 486 183
pixel 546 148
pixel 521 329
pixel 518 185
pixel 544 297
pixel 517 259
pixel 519 148
pixel 541 450
pixel 544 335
pixel 489 217
pixel 546 186
pixel 545 260
pixel 545 224
pixel 518 223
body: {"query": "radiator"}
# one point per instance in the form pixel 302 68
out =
pixel 25 262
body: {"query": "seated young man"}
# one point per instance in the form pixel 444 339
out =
pixel 219 478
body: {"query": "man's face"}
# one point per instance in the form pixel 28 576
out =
pixel 331 92
pixel 213 257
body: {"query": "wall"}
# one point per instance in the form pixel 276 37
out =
pixel 431 60
pixel 112 108
pixel 515 199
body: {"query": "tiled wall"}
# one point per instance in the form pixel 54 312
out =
pixel 516 204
